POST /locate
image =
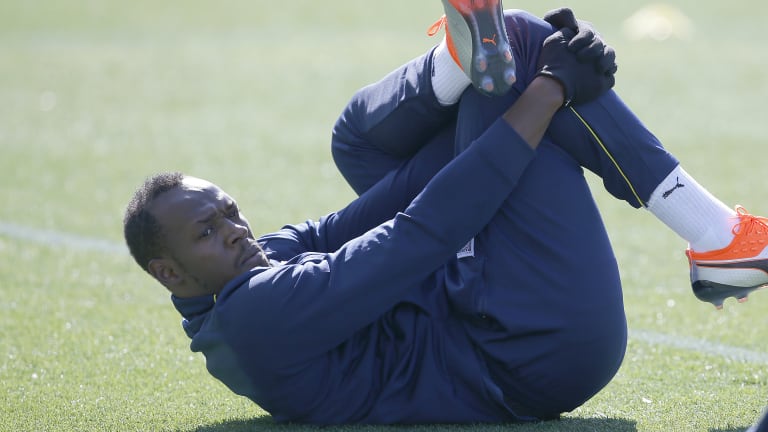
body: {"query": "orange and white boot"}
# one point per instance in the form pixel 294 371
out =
pixel 735 270
pixel 477 40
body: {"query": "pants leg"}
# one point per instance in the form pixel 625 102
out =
pixel 603 136
pixel 387 122
pixel 542 295
pixel 547 311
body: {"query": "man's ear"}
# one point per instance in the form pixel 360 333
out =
pixel 166 271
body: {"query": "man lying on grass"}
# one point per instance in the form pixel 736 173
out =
pixel 472 280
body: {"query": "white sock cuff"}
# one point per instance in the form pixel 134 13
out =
pixel 678 178
pixel 692 211
pixel 448 79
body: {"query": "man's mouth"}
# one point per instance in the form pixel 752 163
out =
pixel 249 253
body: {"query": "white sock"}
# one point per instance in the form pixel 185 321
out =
pixel 692 212
pixel 448 79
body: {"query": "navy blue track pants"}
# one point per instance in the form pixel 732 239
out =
pixel 541 292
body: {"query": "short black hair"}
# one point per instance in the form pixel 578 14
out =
pixel 144 234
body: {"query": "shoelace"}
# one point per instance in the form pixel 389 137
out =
pixel 434 28
pixel 748 223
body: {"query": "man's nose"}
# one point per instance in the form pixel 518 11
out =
pixel 236 231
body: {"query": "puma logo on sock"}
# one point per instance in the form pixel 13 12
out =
pixel 677 186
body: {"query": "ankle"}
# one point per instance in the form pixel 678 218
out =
pixel 448 79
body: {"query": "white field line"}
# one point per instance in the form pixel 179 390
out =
pixel 57 238
pixel 89 244
pixel 699 345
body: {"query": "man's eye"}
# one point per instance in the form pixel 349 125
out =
pixel 206 232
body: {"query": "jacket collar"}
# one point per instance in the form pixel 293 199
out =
pixel 194 310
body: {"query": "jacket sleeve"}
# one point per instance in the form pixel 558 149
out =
pixel 382 202
pixel 316 302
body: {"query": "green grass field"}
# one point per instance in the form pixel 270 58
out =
pixel 95 95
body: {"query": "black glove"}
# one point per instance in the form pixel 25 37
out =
pixel 587 43
pixel 585 69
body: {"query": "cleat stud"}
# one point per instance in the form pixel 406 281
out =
pixel 509 76
pixel 481 64
pixel 487 84
pixel 743 299
pixel 507 56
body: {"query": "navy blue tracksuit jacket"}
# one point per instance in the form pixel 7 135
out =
pixel 471 281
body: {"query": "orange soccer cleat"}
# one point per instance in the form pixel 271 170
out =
pixel 478 42
pixel 735 270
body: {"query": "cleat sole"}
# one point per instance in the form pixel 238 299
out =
pixel 717 293
pixel 492 60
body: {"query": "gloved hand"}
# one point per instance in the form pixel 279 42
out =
pixel 585 68
pixel 587 42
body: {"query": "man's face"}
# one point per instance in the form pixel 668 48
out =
pixel 208 239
